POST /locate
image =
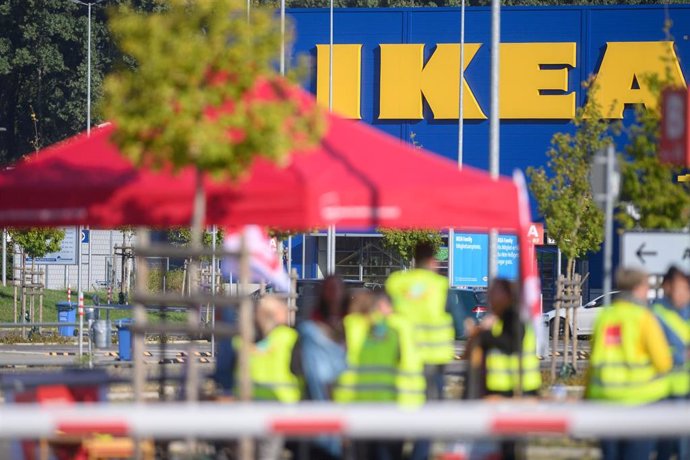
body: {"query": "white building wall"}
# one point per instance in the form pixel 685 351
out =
pixel 102 243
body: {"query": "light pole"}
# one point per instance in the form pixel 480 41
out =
pixel 494 139
pixel 88 4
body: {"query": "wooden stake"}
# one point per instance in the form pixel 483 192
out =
pixel 246 322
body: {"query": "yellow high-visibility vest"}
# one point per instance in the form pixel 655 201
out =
pixel 503 370
pixel 679 377
pixel 382 363
pixel 420 297
pixel 269 367
pixel 618 371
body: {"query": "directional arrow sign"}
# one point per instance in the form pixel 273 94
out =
pixel 641 253
pixel 655 252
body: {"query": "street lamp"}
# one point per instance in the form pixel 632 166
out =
pixel 88 4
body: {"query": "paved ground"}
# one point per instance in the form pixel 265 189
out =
pixel 14 356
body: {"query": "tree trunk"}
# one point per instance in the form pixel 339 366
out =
pixel 23 281
pixel 14 282
pixel 556 327
pixel 576 290
pixel 568 312
pixel 122 265
pixel 32 309
pixel 197 231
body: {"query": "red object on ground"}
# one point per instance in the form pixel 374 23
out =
pixel 357 177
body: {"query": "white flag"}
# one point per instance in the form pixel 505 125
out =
pixel 265 263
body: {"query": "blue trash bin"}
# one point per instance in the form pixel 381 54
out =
pixel 124 338
pixel 67 313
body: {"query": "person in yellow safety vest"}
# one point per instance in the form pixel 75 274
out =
pixel 272 363
pixel 672 311
pixel 383 365
pixel 356 324
pixel 630 359
pixel 502 350
pixel 420 295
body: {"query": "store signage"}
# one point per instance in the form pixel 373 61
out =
pixel 534 83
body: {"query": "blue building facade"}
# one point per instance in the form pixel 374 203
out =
pixel 588 41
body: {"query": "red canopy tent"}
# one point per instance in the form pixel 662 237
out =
pixel 357 177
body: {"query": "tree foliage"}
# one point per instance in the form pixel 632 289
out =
pixel 647 185
pixel 182 236
pixel 192 98
pixel 404 241
pixel 562 188
pixel 37 242
pixel 43 70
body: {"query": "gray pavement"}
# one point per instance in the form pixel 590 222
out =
pixel 66 355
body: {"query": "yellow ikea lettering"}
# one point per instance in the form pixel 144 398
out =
pixel 522 80
pixel 405 78
pixel 622 75
pixel 347 68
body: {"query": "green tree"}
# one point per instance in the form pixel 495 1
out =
pixel 174 110
pixel 37 242
pixel 564 198
pixel 404 241
pixel 43 70
pixel 562 188
pixel 182 236
pixel 650 197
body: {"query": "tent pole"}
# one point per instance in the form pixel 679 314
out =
pixel 246 325
pixel 214 271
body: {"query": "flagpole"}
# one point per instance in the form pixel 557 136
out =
pixel 494 123
pixel 461 108
pixel 330 236
pixel 282 37
pixel 461 123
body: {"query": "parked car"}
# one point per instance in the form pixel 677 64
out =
pixel 466 303
pixel 585 317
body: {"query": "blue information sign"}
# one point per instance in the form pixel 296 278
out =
pixel 67 255
pixel 508 257
pixel 471 259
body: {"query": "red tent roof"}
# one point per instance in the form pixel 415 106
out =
pixel 357 177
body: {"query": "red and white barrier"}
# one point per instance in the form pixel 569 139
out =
pixel 80 306
pixel 69 293
pixel 442 421
pixel 80 312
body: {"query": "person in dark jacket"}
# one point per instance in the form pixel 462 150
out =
pixel 323 359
